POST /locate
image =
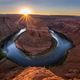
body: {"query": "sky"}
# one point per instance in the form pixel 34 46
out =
pixel 47 7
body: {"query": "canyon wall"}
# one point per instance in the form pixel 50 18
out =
pixel 68 25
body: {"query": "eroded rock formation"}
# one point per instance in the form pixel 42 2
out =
pixel 35 40
pixel 37 73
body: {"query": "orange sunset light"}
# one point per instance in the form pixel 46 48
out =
pixel 25 11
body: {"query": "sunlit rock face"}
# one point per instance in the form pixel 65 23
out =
pixel 35 40
pixel 37 73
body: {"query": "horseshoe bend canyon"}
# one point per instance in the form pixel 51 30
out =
pixel 37 40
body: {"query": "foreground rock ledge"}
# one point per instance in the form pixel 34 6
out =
pixel 37 73
pixel 34 41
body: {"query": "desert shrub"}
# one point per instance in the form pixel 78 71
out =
pixel 1 55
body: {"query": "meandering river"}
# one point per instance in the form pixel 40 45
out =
pixel 50 58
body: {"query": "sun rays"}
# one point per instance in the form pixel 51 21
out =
pixel 27 20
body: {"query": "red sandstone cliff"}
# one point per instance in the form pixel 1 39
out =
pixel 37 73
pixel 70 26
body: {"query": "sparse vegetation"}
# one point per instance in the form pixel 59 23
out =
pixel 1 55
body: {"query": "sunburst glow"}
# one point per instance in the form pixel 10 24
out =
pixel 25 11
pixel 26 18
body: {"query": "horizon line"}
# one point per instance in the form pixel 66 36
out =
pixel 41 14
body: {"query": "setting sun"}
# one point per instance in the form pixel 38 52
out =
pixel 25 11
